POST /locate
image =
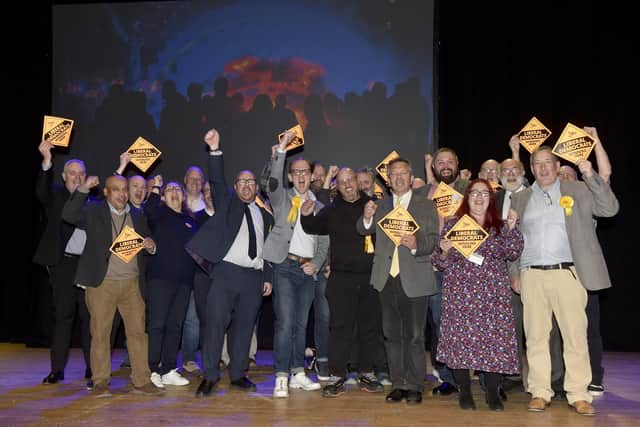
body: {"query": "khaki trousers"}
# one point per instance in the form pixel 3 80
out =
pixel 559 292
pixel 102 302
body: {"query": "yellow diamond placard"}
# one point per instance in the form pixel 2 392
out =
pixel 378 191
pixel 298 139
pixel 127 244
pixel 467 235
pixel 574 144
pixel 384 164
pixel 533 134
pixel 447 200
pixel 398 223
pixel 57 130
pixel 143 153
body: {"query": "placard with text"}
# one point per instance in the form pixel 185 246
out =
pixel 384 165
pixel 467 235
pixel 447 200
pixel 533 134
pixel 298 139
pixel 127 245
pixel 574 144
pixel 398 223
pixel 57 130
pixel 143 153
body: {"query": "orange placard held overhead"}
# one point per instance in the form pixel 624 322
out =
pixel 574 144
pixel 533 134
pixel 467 235
pixel 398 223
pixel 57 130
pixel 447 200
pixel 298 139
pixel 143 153
pixel 384 164
pixel 127 244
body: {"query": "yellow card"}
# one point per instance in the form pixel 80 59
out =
pixel 143 153
pixel 467 235
pixel 378 191
pixel 447 200
pixel 127 244
pixel 398 223
pixel 263 205
pixel 574 144
pixel 533 134
pixel 297 141
pixel 57 130
pixel 495 185
pixel 383 165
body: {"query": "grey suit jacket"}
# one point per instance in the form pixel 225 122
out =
pixel 276 247
pixel 593 197
pixel 416 271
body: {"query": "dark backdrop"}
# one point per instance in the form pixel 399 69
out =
pixel 497 66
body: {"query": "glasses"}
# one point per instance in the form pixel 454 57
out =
pixel 300 172
pixel 489 170
pixel 248 181
pixel 476 193
pixel 511 171
pixel 547 198
pixel 176 189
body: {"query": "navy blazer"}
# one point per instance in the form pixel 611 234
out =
pixel 215 237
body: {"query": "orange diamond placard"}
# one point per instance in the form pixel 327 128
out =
pixel 378 191
pixel 143 153
pixel 467 235
pixel 574 144
pixel 398 223
pixel 298 139
pixel 127 244
pixel 57 130
pixel 533 134
pixel 384 164
pixel 447 200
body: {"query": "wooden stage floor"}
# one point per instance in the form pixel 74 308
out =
pixel 24 401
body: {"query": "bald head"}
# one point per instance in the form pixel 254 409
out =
pixel 116 192
pixel 347 184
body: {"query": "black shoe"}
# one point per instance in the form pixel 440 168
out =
pixel 445 389
pixel 494 401
pixel 370 383
pixel 414 397
pixel 88 374
pixel 509 384
pixel 206 387
pixel 396 395
pixel 503 394
pixel 89 385
pixel 53 377
pixel 243 384
pixel 559 395
pixel 465 400
pixel 335 389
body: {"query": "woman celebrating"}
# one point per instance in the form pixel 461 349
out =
pixel 477 325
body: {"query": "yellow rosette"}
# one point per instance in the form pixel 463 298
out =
pixel 567 203
pixel 296 202
pixel 368 245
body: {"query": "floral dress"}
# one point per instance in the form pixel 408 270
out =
pixel 477 327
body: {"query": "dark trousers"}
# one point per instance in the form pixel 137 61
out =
pixel 403 323
pixel 233 301
pixel 201 285
pixel 69 304
pixel 167 303
pixel 353 302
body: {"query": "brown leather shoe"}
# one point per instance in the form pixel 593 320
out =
pixel 583 407
pixel 538 404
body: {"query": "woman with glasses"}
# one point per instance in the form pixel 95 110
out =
pixel 477 329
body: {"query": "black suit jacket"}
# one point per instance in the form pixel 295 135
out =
pixel 213 240
pixel 95 218
pixel 57 232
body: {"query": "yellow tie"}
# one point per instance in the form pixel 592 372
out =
pixel 296 202
pixel 395 264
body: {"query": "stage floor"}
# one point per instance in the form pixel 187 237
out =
pixel 25 401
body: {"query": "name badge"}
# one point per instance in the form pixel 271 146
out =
pixel 476 258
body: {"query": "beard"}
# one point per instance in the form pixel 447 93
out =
pixel 446 179
pixel 512 186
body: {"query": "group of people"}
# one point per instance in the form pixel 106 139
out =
pixel 491 312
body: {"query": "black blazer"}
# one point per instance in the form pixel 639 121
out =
pixel 95 218
pixel 213 240
pixel 57 232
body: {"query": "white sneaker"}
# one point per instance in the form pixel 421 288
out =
pixel 281 389
pixel 174 378
pixel 436 374
pixel 300 380
pixel 156 379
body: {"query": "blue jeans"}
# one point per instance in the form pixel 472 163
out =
pixel 293 293
pixel 321 319
pixel 190 333
pixel 435 304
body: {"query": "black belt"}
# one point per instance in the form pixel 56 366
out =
pixel 561 266
pixel 301 260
